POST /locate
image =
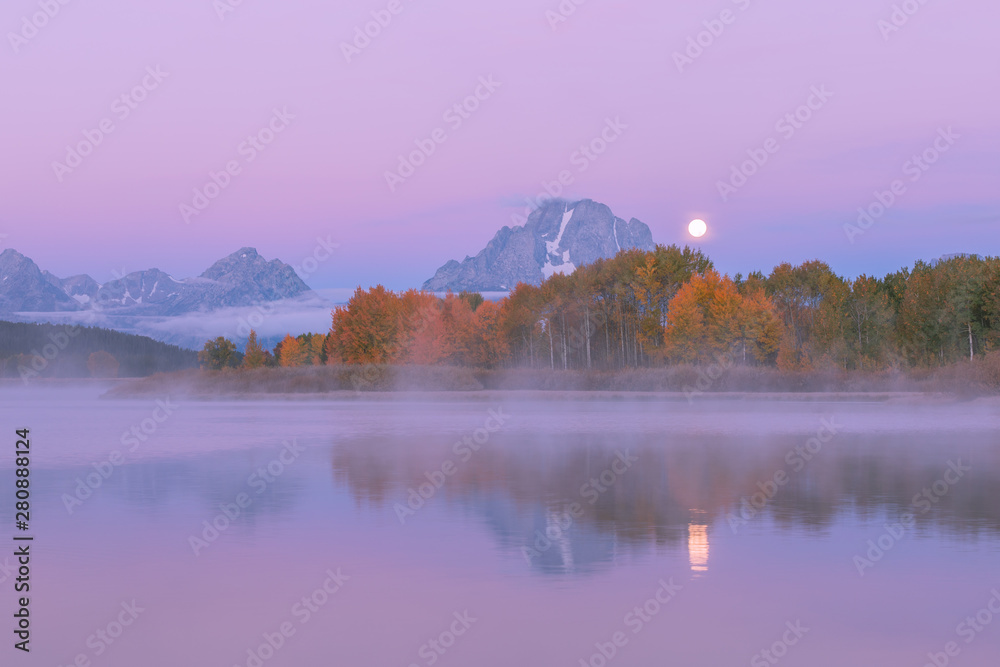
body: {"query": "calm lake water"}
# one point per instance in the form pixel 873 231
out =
pixel 593 532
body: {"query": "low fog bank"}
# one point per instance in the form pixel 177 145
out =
pixel 271 320
pixel 686 382
pixel 54 390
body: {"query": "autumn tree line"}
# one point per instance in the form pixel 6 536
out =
pixel 661 307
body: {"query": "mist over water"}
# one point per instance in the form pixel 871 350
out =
pixel 548 522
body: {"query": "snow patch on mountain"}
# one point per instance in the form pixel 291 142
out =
pixel 565 266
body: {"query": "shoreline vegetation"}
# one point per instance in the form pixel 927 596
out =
pixel 964 380
pixel 644 321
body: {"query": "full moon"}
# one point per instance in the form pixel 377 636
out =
pixel 697 228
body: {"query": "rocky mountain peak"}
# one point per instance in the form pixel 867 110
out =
pixel 24 288
pixel 557 237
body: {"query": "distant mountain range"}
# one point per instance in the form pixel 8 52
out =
pixel 557 237
pixel 244 278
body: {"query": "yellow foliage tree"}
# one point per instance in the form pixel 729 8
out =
pixel 253 353
pixel 709 317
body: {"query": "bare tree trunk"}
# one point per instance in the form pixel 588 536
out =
pixel 627 347
pixel 563 318
pixel 552 354
pixel 972 352
pixel 621 332
pixel 607 338
pixel 629 334
pixel 635 342
pixel 587 327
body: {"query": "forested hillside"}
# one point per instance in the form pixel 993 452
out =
pixel 46 350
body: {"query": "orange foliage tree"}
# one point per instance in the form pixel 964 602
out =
pixel 423 340
pixel 288 352
pixel 367 330
pixel 489 345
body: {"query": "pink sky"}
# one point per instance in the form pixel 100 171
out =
pixel 324 173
